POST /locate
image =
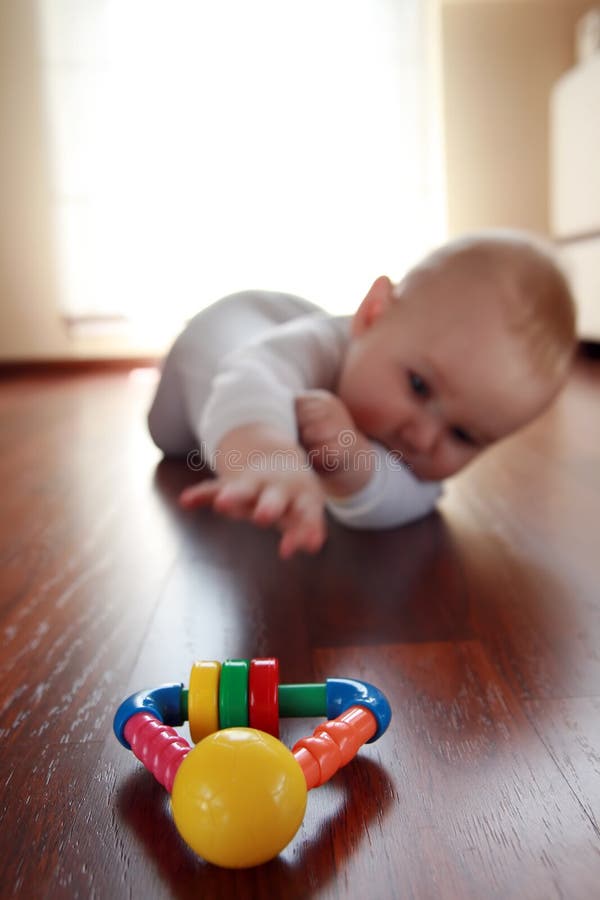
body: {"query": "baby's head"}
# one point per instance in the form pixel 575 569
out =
pixel 471 345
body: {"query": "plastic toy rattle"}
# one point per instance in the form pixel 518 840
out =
pixel 239 796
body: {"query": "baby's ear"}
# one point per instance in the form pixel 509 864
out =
pixel 376 302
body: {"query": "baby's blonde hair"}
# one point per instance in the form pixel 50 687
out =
pixel 537 300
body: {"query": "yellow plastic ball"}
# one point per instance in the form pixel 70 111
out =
pixel 239 797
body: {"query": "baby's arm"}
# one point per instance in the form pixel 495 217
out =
pixel 368 486
pixel 248 430
pixel 337 450
pixel 265 477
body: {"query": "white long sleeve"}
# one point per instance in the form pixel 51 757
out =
pixel 391 498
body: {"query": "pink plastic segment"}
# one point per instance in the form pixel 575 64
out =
pixel 333 744
pixel 158 746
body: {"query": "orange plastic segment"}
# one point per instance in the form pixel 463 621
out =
pixel 350 730
pixel 309 766
pixel 334 744
pixel 324 751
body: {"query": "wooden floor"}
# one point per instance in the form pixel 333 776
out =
pixel 481 623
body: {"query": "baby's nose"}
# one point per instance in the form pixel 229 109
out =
pixel 422 434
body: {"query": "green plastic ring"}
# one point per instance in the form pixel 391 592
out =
pixel 233 693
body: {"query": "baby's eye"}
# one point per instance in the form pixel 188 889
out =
pixel 463 436
pixel 418 385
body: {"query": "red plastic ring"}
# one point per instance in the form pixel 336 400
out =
pixel 263 690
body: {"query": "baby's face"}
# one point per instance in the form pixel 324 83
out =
pixel 436 388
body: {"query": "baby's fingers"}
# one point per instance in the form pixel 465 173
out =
pixel 303 528
pixel 202 494
pixel 271 505
pixel 236 499
pixel 311 407
pixel 233 499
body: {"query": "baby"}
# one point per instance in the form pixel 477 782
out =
pixel 298 411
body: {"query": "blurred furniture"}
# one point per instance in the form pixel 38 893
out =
pixel 575 184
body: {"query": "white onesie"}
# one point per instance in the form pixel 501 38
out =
pixel 244 359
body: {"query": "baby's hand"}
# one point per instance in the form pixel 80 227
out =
pixel 333 442
pixel 292 501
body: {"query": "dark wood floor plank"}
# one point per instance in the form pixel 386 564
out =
pixel 538 618
pixel 481 622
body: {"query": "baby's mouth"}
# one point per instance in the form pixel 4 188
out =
pixel 404 458
pixel 415 466
pixel 412 462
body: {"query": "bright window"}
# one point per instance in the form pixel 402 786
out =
pixel 205 147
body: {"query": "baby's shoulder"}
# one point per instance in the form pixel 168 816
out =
pixel 315 328
pixel 274 307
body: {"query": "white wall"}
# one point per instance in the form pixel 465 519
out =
pixel 30 323
pixel 500 60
